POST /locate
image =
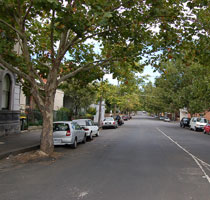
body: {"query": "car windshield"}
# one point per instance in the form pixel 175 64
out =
pixel 202 120
pixel 80 122
pixel 109 119
pixel 60 127
pixel 90 123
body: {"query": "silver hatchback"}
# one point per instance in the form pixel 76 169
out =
pixel 68 133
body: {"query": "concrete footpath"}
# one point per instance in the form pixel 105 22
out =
pixel 19 143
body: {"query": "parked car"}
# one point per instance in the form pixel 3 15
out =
pixel 89 127
pixel 197 123
pixel 166 119
pixel 207 129
pixel 185 121
pixel 161 118
pixel 68 133
pixel 125 117
pixel 109 122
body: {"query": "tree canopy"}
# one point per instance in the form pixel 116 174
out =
pixel 55 40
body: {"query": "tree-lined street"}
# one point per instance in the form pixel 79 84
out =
pixel 144 159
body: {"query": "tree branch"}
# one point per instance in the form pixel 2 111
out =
pixel 52 36
pixel 39 77
pixel 26 15
pixel 43 64
pixel 84 68
pixel 14 29
pixel 4 64
pixel 23 75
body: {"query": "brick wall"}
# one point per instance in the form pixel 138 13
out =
pixel 207 116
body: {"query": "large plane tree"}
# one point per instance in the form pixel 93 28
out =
pixel 55 40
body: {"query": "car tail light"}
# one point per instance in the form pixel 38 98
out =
pixel 113 122
pixel 86 129
pixel 68 133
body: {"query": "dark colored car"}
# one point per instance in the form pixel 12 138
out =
pixel 185 122
pixel 119 120
pixel 125 117
pixel 207 129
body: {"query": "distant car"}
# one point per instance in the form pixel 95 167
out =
pixel 109 122
pixel 207 129
pixel 68 133
pixel 125 117
pixel 89 127
pixel 198 123
pixel 185 121
pixel 166 119
pixel 161 118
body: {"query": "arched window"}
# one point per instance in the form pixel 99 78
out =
pixel 6 92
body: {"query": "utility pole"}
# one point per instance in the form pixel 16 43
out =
pixel 100 104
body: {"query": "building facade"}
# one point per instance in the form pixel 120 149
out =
pixel 9 103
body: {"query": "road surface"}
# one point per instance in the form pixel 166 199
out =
pixel 144 159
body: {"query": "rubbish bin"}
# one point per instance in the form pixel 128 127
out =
pixel 23 123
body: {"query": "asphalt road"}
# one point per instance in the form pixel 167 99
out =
pixel 145 159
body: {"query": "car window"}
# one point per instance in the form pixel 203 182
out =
pixel 109 119
pixel 202 120
pixel 90 123
pixel 77 126
pixel 81 122
pixel 60 127
pixel 73 126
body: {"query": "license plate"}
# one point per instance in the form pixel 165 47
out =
pixel 57 140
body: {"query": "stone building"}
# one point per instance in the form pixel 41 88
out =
pixel 9 103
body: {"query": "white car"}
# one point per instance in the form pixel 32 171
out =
pixel 109 122
pixel 197 123
pixel 89 127
pixel 68 133
pixel 166 119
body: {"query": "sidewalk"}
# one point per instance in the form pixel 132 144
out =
pixel 19 143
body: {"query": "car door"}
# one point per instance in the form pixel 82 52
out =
pixel 79 132
pixel 194 123
pixel 94 128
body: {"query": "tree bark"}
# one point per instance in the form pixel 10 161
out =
pixel 46 143
pixel 99 114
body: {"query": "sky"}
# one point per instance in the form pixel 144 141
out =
pixel 147 71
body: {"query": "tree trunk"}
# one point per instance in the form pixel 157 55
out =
pixel 115 109
pixel 99 114
pixel 46 143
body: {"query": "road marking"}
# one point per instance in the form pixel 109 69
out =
pixel 2 142
pixel 191 155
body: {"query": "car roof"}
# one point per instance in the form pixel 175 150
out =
pixel 81 119
pixel 62 122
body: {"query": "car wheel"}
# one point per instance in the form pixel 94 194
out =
pixel 84 139
pixel 74 145
pixel 91 136
pixel 97 134
pixel 196 129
